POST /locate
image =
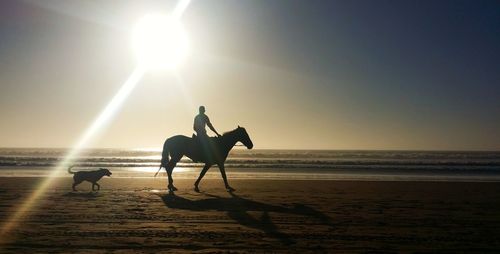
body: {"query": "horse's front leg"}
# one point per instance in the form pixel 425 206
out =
pixel 223 173
pixel 203 172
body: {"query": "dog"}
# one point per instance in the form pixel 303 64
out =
pixel 89 176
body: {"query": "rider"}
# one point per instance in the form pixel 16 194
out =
pixel 199 124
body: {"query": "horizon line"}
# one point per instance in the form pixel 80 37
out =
pixel 286 149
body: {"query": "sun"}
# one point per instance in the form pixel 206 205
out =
pixel 160 42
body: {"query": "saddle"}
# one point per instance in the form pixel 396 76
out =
pixel 195 138
pixel 200 147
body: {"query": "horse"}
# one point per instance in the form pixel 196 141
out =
pixel 211 151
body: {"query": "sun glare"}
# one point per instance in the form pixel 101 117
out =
pixel 160 42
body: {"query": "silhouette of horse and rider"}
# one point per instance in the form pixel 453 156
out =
pixel 202 148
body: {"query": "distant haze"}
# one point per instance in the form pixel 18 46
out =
pixel 421 75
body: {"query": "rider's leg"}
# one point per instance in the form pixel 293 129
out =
pixel 203 172
pixel 204 141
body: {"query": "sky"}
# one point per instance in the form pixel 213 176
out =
pixel 413 75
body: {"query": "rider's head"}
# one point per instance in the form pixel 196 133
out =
pixel 202 109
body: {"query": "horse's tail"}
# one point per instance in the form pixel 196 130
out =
pixel 164 158
pixel 69 169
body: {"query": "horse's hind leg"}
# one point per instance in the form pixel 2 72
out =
pixel 203 172
pixel 170 168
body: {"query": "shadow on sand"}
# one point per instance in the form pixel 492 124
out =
pixel 83 195
pixel 237 208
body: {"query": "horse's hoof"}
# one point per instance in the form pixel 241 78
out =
pixel 229 189
pixel 196 189
pixel 172 188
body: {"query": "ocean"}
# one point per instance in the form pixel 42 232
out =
pixel 272 164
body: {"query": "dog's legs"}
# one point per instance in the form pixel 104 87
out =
pixel 75 184
pixel 98 186
pixel 170 167
pixel 203 172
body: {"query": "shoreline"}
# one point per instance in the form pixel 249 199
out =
pixel 287 179
pixel 281 174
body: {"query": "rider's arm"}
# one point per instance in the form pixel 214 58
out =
pixel 211 127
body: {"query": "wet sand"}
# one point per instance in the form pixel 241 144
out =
pixel 138 215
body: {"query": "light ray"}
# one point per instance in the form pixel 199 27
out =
pixel 180 8
pixel 104 117
pixel 111 108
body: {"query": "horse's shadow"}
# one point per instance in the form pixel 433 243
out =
pixel 237 208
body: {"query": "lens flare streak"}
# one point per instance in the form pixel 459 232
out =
pixel 104 117
pixel 180 8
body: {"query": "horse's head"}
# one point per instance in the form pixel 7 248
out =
pixel 244 138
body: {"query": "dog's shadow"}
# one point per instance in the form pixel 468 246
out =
pixel 237 208
pixel 82 195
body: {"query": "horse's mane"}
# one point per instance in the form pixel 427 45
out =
pixel 229 132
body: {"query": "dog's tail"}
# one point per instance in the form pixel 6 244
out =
pixel 164 158
pixel 69 169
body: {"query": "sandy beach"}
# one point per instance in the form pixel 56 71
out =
pixel 343 126
pixel 138 215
